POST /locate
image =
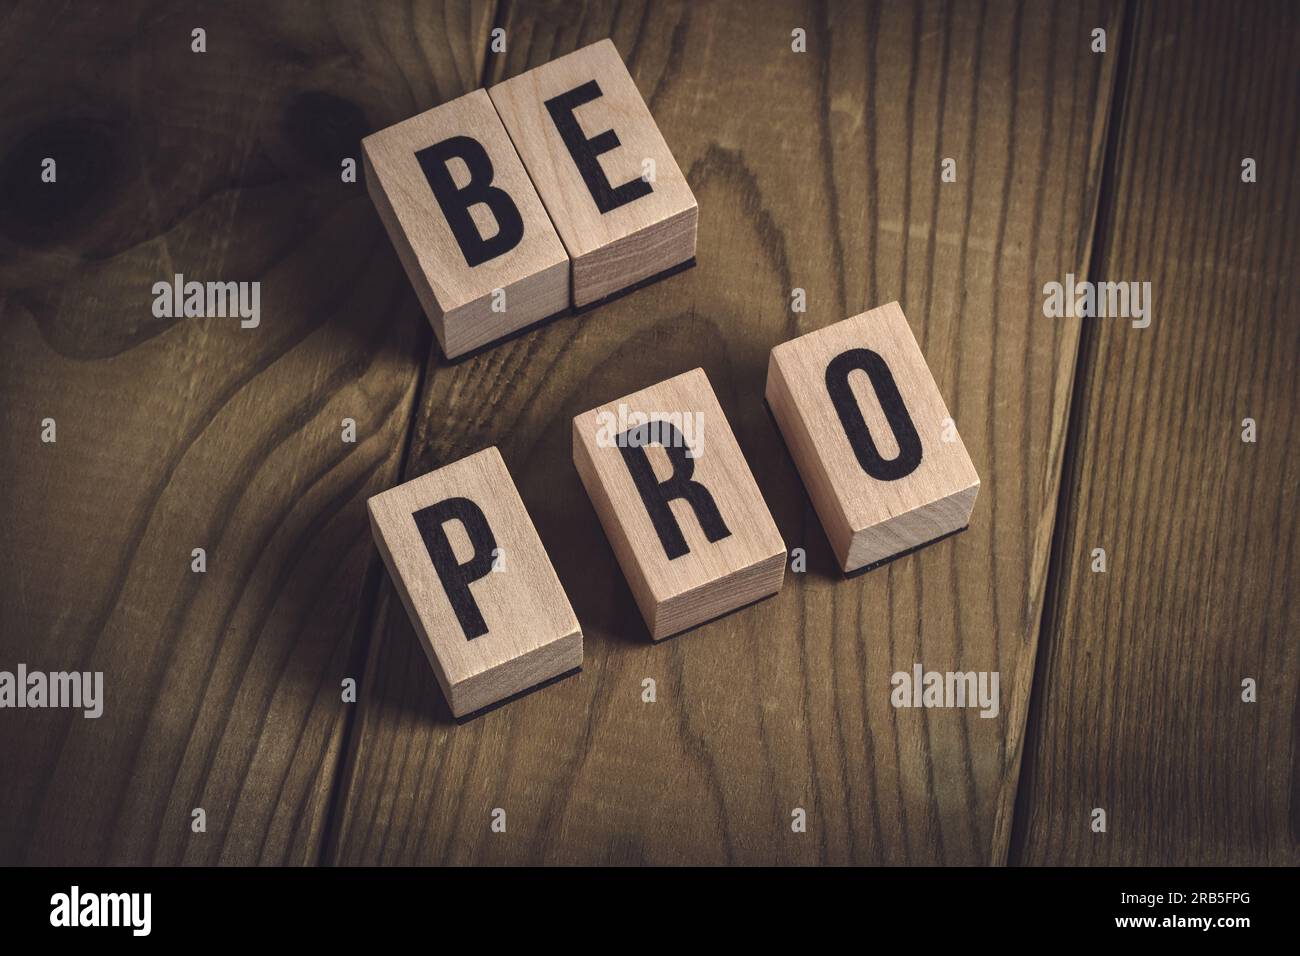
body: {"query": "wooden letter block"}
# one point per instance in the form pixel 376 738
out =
pixel 476 581
pixel 613 189
pixel 467 223
pixel 678 503
pixel 871 436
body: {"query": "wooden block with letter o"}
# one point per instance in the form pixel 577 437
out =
pixel 871 437
pixel 467 224
pixel 678 503
pixel 476 581
pixel 609 182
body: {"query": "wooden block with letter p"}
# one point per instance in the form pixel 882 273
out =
pixel 609 182
pixel 871 437
pixel 476 581
pixel 467 224
pixel 678 503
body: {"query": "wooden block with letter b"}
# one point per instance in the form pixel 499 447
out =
pixel 871 437
pixel 612 188
pixel 467 224
pixel 476 581
pixel 678 503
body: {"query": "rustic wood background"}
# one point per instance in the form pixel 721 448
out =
pixel 818 171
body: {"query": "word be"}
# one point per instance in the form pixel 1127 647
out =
pixel 551 191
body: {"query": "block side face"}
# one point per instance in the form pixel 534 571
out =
pixel 531 299
pixel 415 273
pixel 586 426
pixel 521 104
pixel 808 461
pixel 523 604
pixel 922 525
pixel 377 522
pixel 639 256
pixel 719 597
pixel 411 209
pixel 552 659
pixel 688 403
pixel 945 467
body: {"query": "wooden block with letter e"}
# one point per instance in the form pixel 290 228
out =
pixel 467 224
pixel 609 182
pixel 871 437
pixel 476 581
pixel 678 503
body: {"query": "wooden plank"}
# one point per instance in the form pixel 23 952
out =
pixel 222 688
pixel 817 171
pixel 1138 708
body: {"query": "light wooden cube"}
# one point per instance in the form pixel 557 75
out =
pixel 476 581
pixel 871 437
pixel 588 141
pixel 685 518
pixel 467 224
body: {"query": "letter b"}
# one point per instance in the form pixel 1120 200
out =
pixel 456 202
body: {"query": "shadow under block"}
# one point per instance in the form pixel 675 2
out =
pixel 587 140
pixel 466 222
pixel 476 581
pixel 871 437
pixel 692 534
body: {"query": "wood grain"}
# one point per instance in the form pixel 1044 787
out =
pixel 521 628
pixel 726 552
pixel 818 171
pixel 223 688
pixel 1138 703
pixel 870 518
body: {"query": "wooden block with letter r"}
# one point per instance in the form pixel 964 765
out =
pixel 467 224
pixel 871 437
pixel 476 581
pixel 610 183
pixel 678 503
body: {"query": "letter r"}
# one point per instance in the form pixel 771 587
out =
pixel 656 495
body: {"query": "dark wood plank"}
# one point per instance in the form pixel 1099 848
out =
pixel 818 171
pixel 1138 705
pixel 223 688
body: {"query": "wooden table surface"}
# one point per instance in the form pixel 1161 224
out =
pixel 818 171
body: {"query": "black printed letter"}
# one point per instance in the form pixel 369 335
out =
pixel 846 406
pixel 456 202
pixel 585 151
pixel 656 495
pixel 456 578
